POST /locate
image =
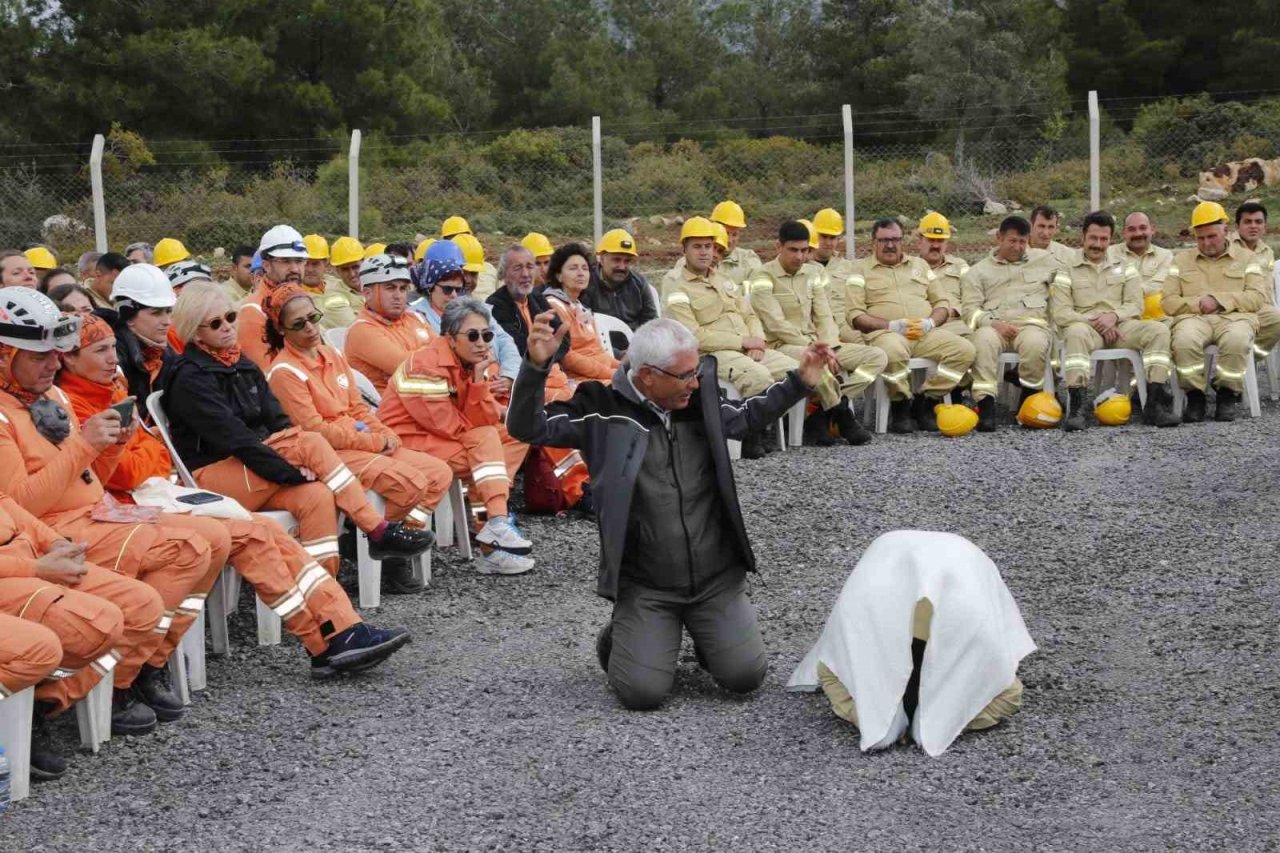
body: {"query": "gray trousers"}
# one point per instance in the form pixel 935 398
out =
pixel 647 627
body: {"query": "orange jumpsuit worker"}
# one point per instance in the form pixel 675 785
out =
pixel 318 392
pixel 385 332
pixel 284 258
pixel 567 279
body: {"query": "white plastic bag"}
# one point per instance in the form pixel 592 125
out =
pixel 161 493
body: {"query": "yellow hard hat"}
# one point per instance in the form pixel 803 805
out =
pixel 955 420
pixel 41 258
pixel 1151 307
pixel 697 226
pixel 374 249
pixel 317 247
pixel 1112 408
pixel 828 221
pixel 538 244
pixel 729 213
pixel 420 252
pixel 453 226
pixel 1205 213
pixel 1040 411
pixel 345 250
pixel 169 251
pixel 617 242
pixel 472 251
pixel 813 233
pixel 935 226
pixel 722 236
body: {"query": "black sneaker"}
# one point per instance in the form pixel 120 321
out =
pixel 129 716
pixel 152 687
pixel 400 541
pixel 398 577
pixel 46 763
pixel 358 648
pixel 604 646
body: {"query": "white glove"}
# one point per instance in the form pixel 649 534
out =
pixel 926 326
pixel 898 327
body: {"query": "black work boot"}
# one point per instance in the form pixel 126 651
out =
pixel 1228 406
pixel 400 541
pixel 987 414
pixel 900 420
pixel 46 763
pixel 922 412
pixel 752 448
pixel 152 687
pixel 769 437
pixel 1025 392
pixel 817 430
pixel 1076 420
pixel 398 579
pixel 1160 407
pixel 604 646
pixel 128 715
pixel 1194 411
pixel 851 429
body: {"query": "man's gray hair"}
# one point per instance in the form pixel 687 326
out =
pixel 148 251
pixel 455 314
pixel 657 343
pixel 88 263
pixel 505 260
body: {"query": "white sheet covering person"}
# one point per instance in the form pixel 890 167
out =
pixel 975 639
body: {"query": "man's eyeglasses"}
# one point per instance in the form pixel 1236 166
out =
pixel 474 335
pixel 679 377
pixel 301 323
pixel 216 322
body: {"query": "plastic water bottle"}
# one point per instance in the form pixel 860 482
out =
pixel 4 781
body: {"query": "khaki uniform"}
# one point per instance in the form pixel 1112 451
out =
pixel 1089 291
pixel 1268 315
pixel 1153 269
pixel 486 282
pixel 333 303
pixel 1060 252
pixel 1014 293
pixel 233 291
pixel 739 263
pixel 794 311
pixel 1235 280
pixel 908 291
pixel 715 310
pixel 949 274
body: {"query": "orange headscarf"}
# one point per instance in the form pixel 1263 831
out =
pixel 93 329
pixel 7 383
pixel 275 301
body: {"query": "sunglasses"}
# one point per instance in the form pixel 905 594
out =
pixel 301 323
pixel 216 322
pixel 450 289
pixel 474 335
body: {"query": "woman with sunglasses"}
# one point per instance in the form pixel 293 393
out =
pixel 440 402
pixel 230 430
pixel 567 278
pixel 317 390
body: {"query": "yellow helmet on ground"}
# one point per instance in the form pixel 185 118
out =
pixel 617 242
pixel 374 249
pixel 538 244
pixel 345 250
pixel 169 251
pixel 729 213
pixel 421 252
pixel 1112 408
pixel 1205 213
pixel 472 252
pixel 813 233
pixel 1151 307
pixel 955 420
pixel 1040 411
pixel 829 222
pixel 317 247
pixel 697 226
pixel 453 226
pixel 41 258
pixel 722 236
pixel 935 226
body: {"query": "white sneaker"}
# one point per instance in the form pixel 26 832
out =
pixel 503 563
pixel 501 533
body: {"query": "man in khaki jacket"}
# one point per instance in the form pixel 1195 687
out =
pixel 932 244
pixel 1149 260
pixel 1251 227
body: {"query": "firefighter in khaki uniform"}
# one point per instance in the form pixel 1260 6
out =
pixel 932 241
pixel 1045 222
pixel 386 332
pixel 790 298
pixel 345 256
pixel 1149 260
pixel 1251 227
pixel 739 260
pixel 1098 305
pixel 1213 294
pixel 896 302
pixel 722 319
pixel 829 225
pixel 1005 300
pixel 327 291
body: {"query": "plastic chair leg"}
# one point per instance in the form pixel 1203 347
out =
pixel 15 737
pixel 268 624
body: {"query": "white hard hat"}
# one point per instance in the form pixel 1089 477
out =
pixel 185 272
pixel 30 321
pixel 383 268
pixel 144 284
pixel 282 241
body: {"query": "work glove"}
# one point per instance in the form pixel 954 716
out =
pixel 917 329
pixel 898 327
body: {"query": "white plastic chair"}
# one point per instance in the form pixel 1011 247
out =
pixel 337 338
pixel 657 299
pixel 367 391
pixel 789 419
pixel 93 714
pixel 1273 357
pixel 15 737
pixel 879 392
pixel 1127 363
pixel 1010 359
pixel 450 520
pixel 606 323
pixel 1210 362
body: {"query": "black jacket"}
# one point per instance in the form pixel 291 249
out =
pixel 510 319
pixel 610 425
pixel 631 302
pixel 129 355
pixel 217 411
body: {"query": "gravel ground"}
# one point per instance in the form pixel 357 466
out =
pixel 1144 563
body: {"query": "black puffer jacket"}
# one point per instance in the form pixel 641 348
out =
pixel 129 354
pixel 509 317
pixel 217 411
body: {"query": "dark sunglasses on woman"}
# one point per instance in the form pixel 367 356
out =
pixel 301 323
pixel 216 322
pixel 474 335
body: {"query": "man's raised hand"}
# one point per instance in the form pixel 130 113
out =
pixel 544 341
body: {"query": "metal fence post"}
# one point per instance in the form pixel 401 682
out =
pixel 847 113
pixel 99 199
pixel 597 187
pixel 1095 154
pixel 353 186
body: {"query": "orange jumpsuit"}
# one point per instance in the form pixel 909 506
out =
pixel 176 343
pixel 376 346
pixel 319 394
pixel 251 325
pixel 434 406
pixel 55 483
pixel 28 653
pixel 586 358
pixel 280 570
pixel 102 619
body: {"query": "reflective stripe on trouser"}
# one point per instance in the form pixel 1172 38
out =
pixel 105 620
pixel 952 353
pixel 1268 331
pixel 860 365
pixel 171 559
pixel 1032 346
pixel 411 482
pixel 751 377
pixel 1234 339
pixel 1149 337
pixel 28 653
pixel 486 458
pixel 570 470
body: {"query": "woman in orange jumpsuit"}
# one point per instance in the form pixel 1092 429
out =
pixel 567 278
